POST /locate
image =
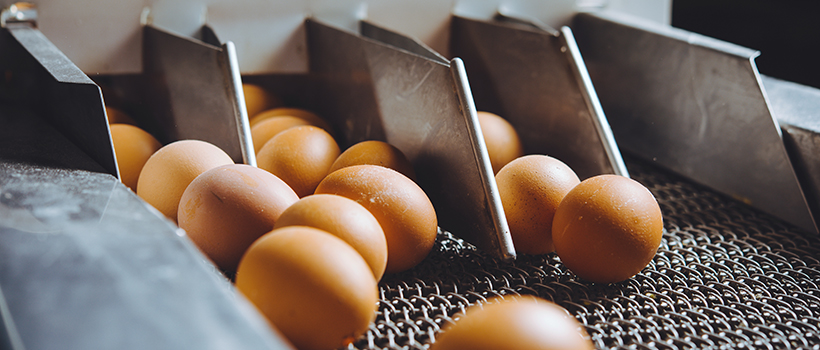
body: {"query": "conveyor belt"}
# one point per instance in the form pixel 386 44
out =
pixel 725 276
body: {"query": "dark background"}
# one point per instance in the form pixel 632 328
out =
pixel 786 32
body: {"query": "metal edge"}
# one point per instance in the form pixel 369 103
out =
pixel 595 109
pixel 399 41
pixel 240 110
pixel 505 248
pixel 778 128
pixel 15 342
pixel 49 57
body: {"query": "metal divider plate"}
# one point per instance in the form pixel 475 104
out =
pixel 193 92
pixel 530 77
pixel 694 105
pixel 58 108
pixel 376 91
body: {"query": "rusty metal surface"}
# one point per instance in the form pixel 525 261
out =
pixel 725 276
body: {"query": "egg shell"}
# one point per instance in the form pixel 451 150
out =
pixel 344 218
pixel 301 156
pixel 311 285
pixel 268 128
pixel 117 116
pixel 375 153
pixel 501 139
pixel 519 323
pixel 402 208
pixel 607 229
pixel 531 188
pixel 169 170
pixel 311 117
pixel 227 208
pixel 132 147
pixel 257 99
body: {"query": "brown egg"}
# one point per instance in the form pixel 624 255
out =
pixel 168 172
pixel 401 207
pixel 607 229
pixel 344 218
pixel 311 117
pixel 301 156
pixel 531 187
pixel 503 143
pixel 116 116
pixel 257 99
pixel 311 285
pixel 517 323
pixel 265 130
pixel 132 146
pixel 227 208
pixel 375 153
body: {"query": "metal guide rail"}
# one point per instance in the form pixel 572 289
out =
pixel 725 276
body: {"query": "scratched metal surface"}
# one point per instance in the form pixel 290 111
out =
pixel 725 276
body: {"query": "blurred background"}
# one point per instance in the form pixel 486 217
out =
pixel 786 32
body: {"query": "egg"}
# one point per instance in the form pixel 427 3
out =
pixel 403 210
pixel 501 139
pixel 301 156
pixel 268 128
pixel 170 169
pixel 607 229
pixel 376 153
pixel 257 99
pixel 531 188
pixel 311 285
pixel 514 323
pixel 132 147
pixel 344 218
pixel 226 208
pixel 311 117
pixel 116 116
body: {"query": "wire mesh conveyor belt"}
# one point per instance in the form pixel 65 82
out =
pixel 725 276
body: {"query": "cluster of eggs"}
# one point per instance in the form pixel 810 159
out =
pixel 308 233
pixel 605 229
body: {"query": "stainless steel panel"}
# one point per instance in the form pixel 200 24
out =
pixel 694 105
pixel 535 78
pixel 195 92
pixel 797 108
pixel 42 83
pixel 372 90
pixel 86 264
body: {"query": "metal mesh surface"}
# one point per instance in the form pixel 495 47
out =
pixel 725 276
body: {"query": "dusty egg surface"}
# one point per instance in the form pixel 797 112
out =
pixel 403 210
pixel 225 209
pixel 607 229
pixel 531 188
